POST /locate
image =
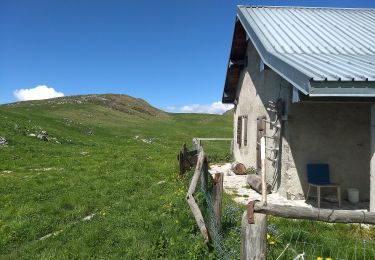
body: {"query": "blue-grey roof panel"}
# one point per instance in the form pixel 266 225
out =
pixel 322 44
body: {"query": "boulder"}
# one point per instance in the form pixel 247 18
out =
pixel 239 169
pixel 42 136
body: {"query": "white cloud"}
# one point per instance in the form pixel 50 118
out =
pixel 170 108
pixel 37 93
pixel 214 108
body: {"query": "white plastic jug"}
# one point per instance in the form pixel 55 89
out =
pixel 353 195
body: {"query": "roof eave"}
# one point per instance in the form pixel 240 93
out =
pixel 285 70
pixel 342 89
pixel 300 77
pixel 237 52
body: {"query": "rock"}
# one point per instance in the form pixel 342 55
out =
pixel 3 141
pixel 239 169
pixel 255 182
pixel 42 136
pixel 147 141
pixel 31 135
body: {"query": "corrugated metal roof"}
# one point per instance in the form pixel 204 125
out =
pixel 310 46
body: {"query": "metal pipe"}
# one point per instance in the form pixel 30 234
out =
pixel 263 158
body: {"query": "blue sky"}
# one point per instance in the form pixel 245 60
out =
pixel 170 53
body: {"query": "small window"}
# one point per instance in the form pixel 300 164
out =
pixel 242 130
pixel 245 131
pixel 239 131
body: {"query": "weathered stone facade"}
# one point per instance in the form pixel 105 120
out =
pixel 337 133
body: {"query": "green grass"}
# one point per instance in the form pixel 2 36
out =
pixel 318 239
pixel 114 158
pixel 103 166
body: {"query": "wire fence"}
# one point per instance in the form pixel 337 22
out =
pixel 205 197
pixel 216 237
pixel 286 238
pixel 230 215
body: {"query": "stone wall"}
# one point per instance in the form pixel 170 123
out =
pixel 315 132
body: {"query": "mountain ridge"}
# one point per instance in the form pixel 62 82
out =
pixel 120 102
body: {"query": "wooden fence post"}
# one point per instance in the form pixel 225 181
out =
pixel 204 175
pixel 217 194
pixel 254 237
pixel 195 145
pixel 181 163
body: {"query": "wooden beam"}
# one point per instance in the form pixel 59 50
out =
pixel 190 198
pixel 214 139
pixel 197 172
pixel 198 216
pixel 325 215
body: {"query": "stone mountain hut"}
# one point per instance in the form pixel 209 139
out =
pixel 305 79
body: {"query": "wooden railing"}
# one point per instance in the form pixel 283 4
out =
pixel 190 196
pixel 254 223
pixel 201 174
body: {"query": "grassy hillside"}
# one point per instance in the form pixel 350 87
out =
pixel 100 182
pixel 96 177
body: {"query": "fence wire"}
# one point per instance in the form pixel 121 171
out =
pixel 222 251
pixel 296 244
pixel 216 237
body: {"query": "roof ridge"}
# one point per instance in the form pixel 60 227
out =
pixel 306 7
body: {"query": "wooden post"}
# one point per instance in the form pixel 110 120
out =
pixel 254 237
pixel 184 148
pixel 204 175
pixel 217 194
pixel 195 144
pixel 263 158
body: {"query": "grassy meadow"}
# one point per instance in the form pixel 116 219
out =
pixel 104 184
